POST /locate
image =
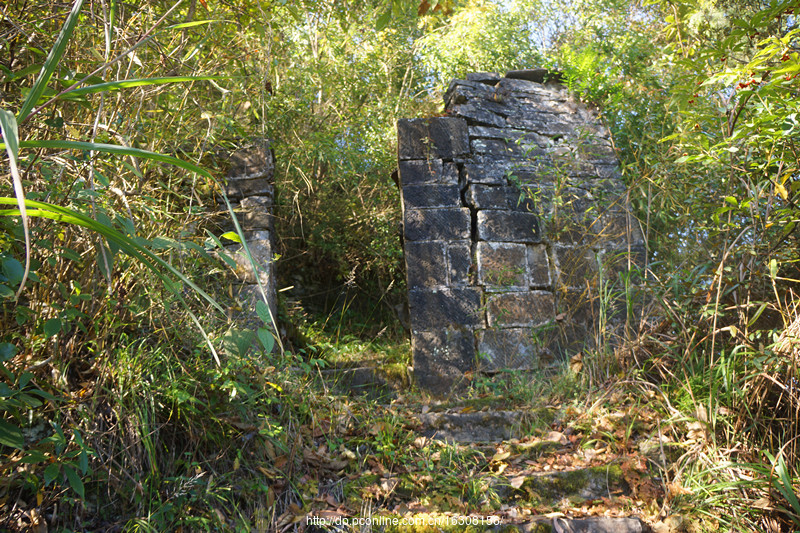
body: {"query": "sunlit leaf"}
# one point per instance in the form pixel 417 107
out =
pixel 141 82
pixel 192 24
pixel 781 190
pixel 231 236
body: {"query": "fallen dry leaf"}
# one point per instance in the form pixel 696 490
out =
pixel 389 484
pixel 500 456
pixel 557 436
pixel 676 489
pixel 576 363
pixel 517 481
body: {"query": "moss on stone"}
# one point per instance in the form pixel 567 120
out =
pixel 587 483
pixel 534 450
pixel 395 374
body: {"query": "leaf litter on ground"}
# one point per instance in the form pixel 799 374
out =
pixel 376 455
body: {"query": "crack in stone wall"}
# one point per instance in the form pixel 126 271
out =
pixel 519 244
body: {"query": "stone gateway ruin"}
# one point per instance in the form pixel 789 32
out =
pixel 519 244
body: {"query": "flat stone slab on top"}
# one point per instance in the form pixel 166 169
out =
pixel 538 75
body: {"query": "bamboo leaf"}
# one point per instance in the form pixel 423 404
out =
pixel 8 125
pixel 10 133
pixel 231 236
pixel 139 82
pixel 192 24
pixel 21 73
pixel 59 144
pixel 11 435
pixel 52 61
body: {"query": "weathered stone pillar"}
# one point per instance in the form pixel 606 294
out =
pixel 518 236
pixel 250 188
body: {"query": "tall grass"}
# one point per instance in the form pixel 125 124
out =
pixel 113 378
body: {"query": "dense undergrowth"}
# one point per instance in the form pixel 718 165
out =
pixel 130 400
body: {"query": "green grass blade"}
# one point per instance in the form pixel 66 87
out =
pixel 125 84
pixel 59 144
pixel 8 125
pixel 192 24
pixel 51 63
pixel 10 133
pixel 785 487
pixel 24 72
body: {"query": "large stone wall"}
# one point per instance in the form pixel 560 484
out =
pixel 517 233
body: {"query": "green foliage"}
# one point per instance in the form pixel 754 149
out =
pixel 81 292
pixel 480 36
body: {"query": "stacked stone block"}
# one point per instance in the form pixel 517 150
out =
pixel 517 229
pixel 249 186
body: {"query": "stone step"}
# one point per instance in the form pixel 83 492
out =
pixel 372 382
pixel 491 426
pixel 483 426
pixel 576 485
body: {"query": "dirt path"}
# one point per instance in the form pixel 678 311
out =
pixel 484 464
